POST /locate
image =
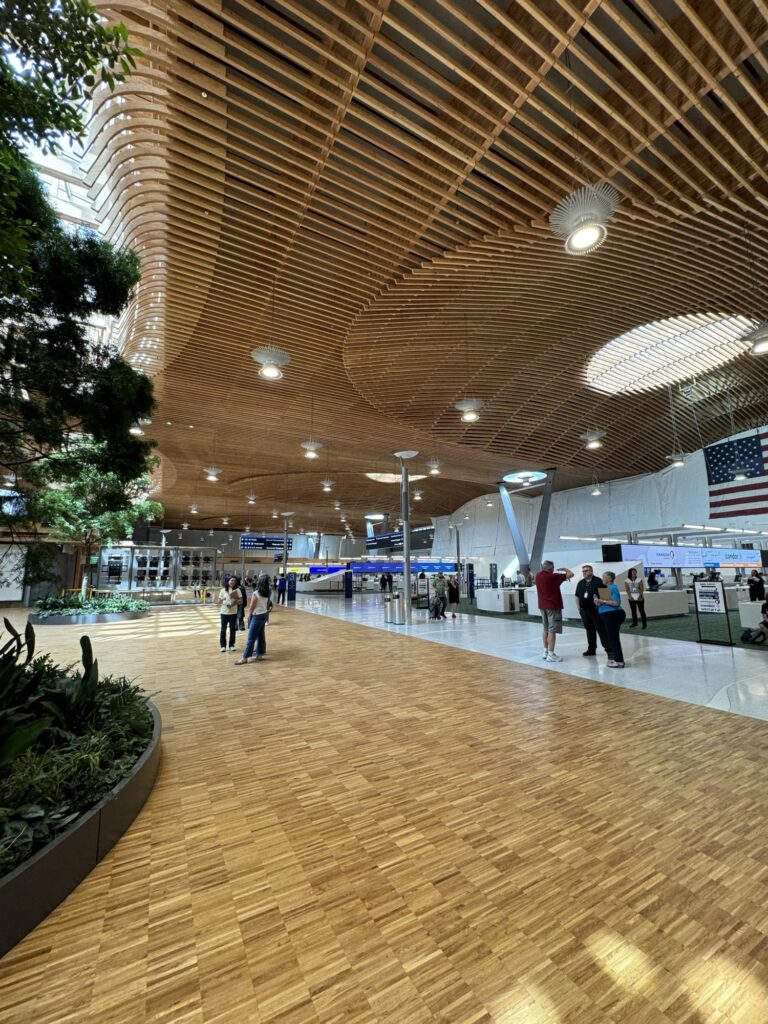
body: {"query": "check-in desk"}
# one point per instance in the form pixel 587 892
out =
pixel 490 599
pixel 749 613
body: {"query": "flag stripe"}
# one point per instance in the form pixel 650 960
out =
pixel 742 512
pixel 761 485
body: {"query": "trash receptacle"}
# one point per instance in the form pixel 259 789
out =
pixel 387 609
pixel 398 609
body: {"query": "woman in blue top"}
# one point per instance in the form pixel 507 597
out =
pixel 613 616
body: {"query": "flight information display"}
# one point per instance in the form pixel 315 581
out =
pixel 665 556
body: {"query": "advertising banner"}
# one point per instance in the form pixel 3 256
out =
pixel 665 556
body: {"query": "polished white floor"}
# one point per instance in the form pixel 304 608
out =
pixel 727 678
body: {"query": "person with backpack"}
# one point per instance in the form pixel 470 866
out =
pixel 259 613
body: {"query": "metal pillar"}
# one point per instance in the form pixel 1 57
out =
pixel 458 553
pixel 405 504
pixel 285 551
pixel 517 538
pixel 541 525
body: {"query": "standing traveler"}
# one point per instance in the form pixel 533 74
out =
pixel 243 603
pixel 453 595
pixel 586 592
pixel 383 582
pixel 613 616
pixel 282 586
pixel 439 590
pixel 756 586
pixel 548 583
pixel 390 582
pixel 228 601
pixel 635 589
pixel 258 610
pixel 653 583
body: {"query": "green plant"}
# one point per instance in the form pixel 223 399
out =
pixel 67 738
pixel 74 604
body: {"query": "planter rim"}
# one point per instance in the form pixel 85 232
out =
pixel 84 618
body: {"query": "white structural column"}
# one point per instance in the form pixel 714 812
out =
pixel 517 538
pixel 405 502
pixel 541 526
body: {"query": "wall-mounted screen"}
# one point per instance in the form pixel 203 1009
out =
pixel 665 556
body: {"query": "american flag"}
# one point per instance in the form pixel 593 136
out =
pixel 747 454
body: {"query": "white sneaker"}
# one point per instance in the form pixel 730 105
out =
pixel 553 657
pixel 545 655
pixel 223 649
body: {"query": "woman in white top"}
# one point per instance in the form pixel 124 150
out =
pixel 635 589
pixel 228 600
pixel 259 613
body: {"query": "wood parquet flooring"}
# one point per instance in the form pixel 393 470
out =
pixel 368 828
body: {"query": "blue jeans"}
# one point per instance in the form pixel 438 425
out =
pixel 231 622
pixel 256 636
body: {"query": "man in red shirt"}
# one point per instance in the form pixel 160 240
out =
pixel 548 583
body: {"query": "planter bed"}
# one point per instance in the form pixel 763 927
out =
pixel 83 618
pixel 33 889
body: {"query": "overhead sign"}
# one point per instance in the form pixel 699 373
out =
pixel 710 598
pixel 421 539
pixel 324 570
pixel 378 567
pixel 665 556
pixel 254 542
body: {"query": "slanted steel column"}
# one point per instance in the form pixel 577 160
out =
pixel 541 526
pixel 517 538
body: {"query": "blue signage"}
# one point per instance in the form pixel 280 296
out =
pixel 324 570
pixel 253 542
pixel 378 567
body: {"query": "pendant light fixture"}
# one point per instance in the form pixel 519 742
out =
pixel 417 495
pixel 185 526
pixel 311 447
pixel 212 474
pixel 434 467
pixel 581 217
pixel 740 471
pixel 327 485
pixel 758 336
pixel 596 491
pixel 251 499
pixel 676 457
pixel 193 509
pixel 225 520
pixel 468 407
pixel 593 439
pixel 271 359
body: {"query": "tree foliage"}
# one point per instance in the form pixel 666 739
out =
pixel 56 383
pixel 81 502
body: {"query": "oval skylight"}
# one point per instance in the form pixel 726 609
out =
pixel 668 351
pixel 393 478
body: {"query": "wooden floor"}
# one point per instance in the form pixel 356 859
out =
pixel 370 828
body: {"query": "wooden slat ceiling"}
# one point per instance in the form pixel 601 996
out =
pixel 367 183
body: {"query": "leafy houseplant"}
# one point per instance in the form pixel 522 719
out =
pixel 66 738
pixel 76 604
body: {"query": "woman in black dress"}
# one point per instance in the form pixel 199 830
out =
pixel 453 595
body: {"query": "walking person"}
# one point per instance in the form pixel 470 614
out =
pixel 258 611
pixel 228 601
pixel 635 589
pixel 594 626
pixel 548 583
pixel 453 595
pixel 613 616
pixel 439 589
pixel 282 586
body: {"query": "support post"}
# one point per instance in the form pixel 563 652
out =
pixel 285 550
pixel 405 503
pixel 517 538
pixel 541 525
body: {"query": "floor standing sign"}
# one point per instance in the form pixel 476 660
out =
pixel 348 585
pixel 711 609
pixel 291 596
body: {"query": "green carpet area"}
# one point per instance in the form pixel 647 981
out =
pixel 673 627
